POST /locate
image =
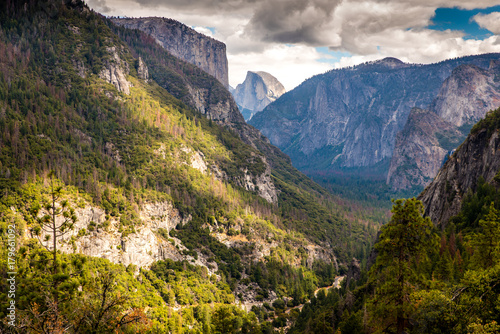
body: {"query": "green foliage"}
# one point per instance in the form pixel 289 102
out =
pixel 50 216
pixel 490 123
pixel 486 241
pixel 190 284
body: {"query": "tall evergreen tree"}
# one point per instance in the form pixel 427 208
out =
pixel 402 249
pixel 51 217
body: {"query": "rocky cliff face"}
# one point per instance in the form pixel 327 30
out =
pixel 184 43
pixel 263 184
pixel 468 94
pixel 95 235
pixel 478 156
pixel 142 70
pixel 115 71
pixel 419 151
pixel 349 118
pixel 187 82
pixel 257 91
pixel 463 99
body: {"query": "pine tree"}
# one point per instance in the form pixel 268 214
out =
pixel 402 249
pixel 51 218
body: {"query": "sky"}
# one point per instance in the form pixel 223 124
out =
pixel 296 39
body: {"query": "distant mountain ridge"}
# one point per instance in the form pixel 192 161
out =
pixel 257 91
pixel 348 119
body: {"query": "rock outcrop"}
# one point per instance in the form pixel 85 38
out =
pixel 96 234
pixel 184 43
pixel 115 71
pixel 185 81
pixel 420 149
pixel 142 70
pixel 478 156
pixel 262 184
pixel 257 91
pixel 348 118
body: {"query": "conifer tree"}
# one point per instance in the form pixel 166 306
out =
pixel 402 249
pixel 51 217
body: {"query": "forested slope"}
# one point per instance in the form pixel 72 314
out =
pixel 145 177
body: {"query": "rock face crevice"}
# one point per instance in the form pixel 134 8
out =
pixel 257 91
pixel 184 43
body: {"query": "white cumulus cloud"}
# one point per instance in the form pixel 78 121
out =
pixel 489 21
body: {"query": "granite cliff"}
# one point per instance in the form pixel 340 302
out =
pixel 421 148
pixel 184 43
pixel 463 99
pixel 468 94
pixel 257 91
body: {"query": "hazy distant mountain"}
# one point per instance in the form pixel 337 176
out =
pixel 256 92
pixel 421 148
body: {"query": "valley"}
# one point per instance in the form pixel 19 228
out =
pixel 141 193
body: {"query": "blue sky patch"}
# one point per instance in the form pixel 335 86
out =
pixel 331 57
pixel 461 19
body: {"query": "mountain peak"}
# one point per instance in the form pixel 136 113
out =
pixel 390 62
pixel 256 92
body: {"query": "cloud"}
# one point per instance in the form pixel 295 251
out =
pixel 205 31
pixel 100 6
pixel 490 22
pixel 257 32
pixel 463 4
pixel 297 21
pixel 207 7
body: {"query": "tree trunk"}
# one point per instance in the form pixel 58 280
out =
pixel 54 241
pixel 400 324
